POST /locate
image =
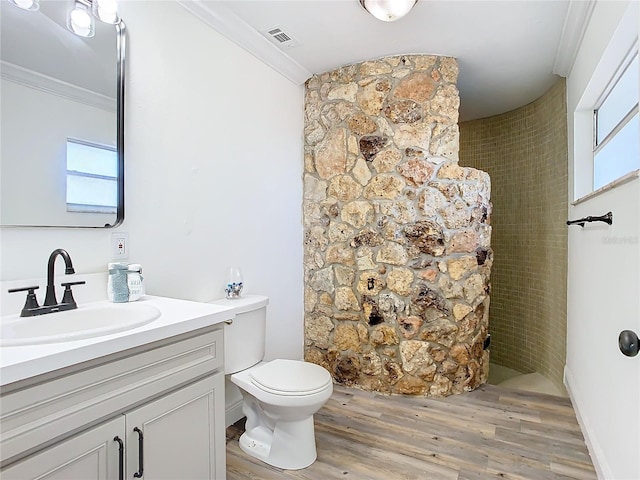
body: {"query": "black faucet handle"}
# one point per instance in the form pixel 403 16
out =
pixel 23 289
pixel 31 302
pixel 67 297
pixel 70 284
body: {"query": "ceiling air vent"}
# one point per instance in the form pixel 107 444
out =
pixel 281 38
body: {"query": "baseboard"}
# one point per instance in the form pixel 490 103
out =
pixel 233 413
pixel 595 451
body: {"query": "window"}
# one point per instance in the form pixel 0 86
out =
pixel 616 141
pixel 92 172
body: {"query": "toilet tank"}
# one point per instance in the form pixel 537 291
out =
pixel 244 338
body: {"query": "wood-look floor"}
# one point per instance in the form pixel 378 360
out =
pixel 491 433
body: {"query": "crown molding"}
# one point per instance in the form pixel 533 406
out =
pixel 228 24
pixel 575 24
pixel 44 83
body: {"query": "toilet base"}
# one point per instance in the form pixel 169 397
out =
pixel 290 446
pixel 251 447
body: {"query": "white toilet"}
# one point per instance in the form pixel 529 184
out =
pixel 280 396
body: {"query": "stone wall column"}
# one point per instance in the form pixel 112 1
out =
pixel 397 234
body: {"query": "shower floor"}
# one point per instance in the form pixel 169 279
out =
pixel 531 382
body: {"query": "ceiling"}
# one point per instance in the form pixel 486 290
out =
pixel 509 52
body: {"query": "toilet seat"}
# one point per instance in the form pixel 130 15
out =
pixel 290 378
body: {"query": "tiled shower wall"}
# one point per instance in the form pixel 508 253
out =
pixel 525 153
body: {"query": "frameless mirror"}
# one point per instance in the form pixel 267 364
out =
pixel 62 129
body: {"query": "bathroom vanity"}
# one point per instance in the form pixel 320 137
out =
pixel 143 403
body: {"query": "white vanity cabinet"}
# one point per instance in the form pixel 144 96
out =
pixel 166 398
pixel 91 455
pixel 179 434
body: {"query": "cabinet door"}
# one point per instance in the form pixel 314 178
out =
pixel 181 435
pixel 91 455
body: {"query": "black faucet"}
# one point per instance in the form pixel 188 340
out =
pixel 51 304
pixel 50 297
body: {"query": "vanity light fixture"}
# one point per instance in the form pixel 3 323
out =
pixel 27 4
pixel 106 11
pixel 388 10
pixel 80 20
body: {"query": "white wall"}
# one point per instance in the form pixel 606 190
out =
pixel 604 263
pixel 213 152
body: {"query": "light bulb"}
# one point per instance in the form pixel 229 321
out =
pixel 106 10
pixel 80 21
pixel 26 4
pixel 80 18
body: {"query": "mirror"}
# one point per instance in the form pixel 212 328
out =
pixel 62 129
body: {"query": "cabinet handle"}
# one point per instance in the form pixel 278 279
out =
pixel 120 457
pixel 138 474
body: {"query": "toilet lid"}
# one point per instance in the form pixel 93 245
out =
pixel 291 377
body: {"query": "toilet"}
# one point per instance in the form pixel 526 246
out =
pixel 279 397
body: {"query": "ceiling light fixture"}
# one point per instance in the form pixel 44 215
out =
pixel 388 10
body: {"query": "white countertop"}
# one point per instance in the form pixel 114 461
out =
pixel 177 317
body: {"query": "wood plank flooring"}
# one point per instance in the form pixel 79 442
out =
pixel 491 433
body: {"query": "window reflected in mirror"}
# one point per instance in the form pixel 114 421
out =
pixel 92 174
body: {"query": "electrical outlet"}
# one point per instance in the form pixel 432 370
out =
pixel 120 245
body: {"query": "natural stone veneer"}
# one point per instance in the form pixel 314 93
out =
pixel 397 235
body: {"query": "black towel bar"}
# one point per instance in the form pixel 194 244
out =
pixel 606 218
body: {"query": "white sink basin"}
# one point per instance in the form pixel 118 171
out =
pixel 86 321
